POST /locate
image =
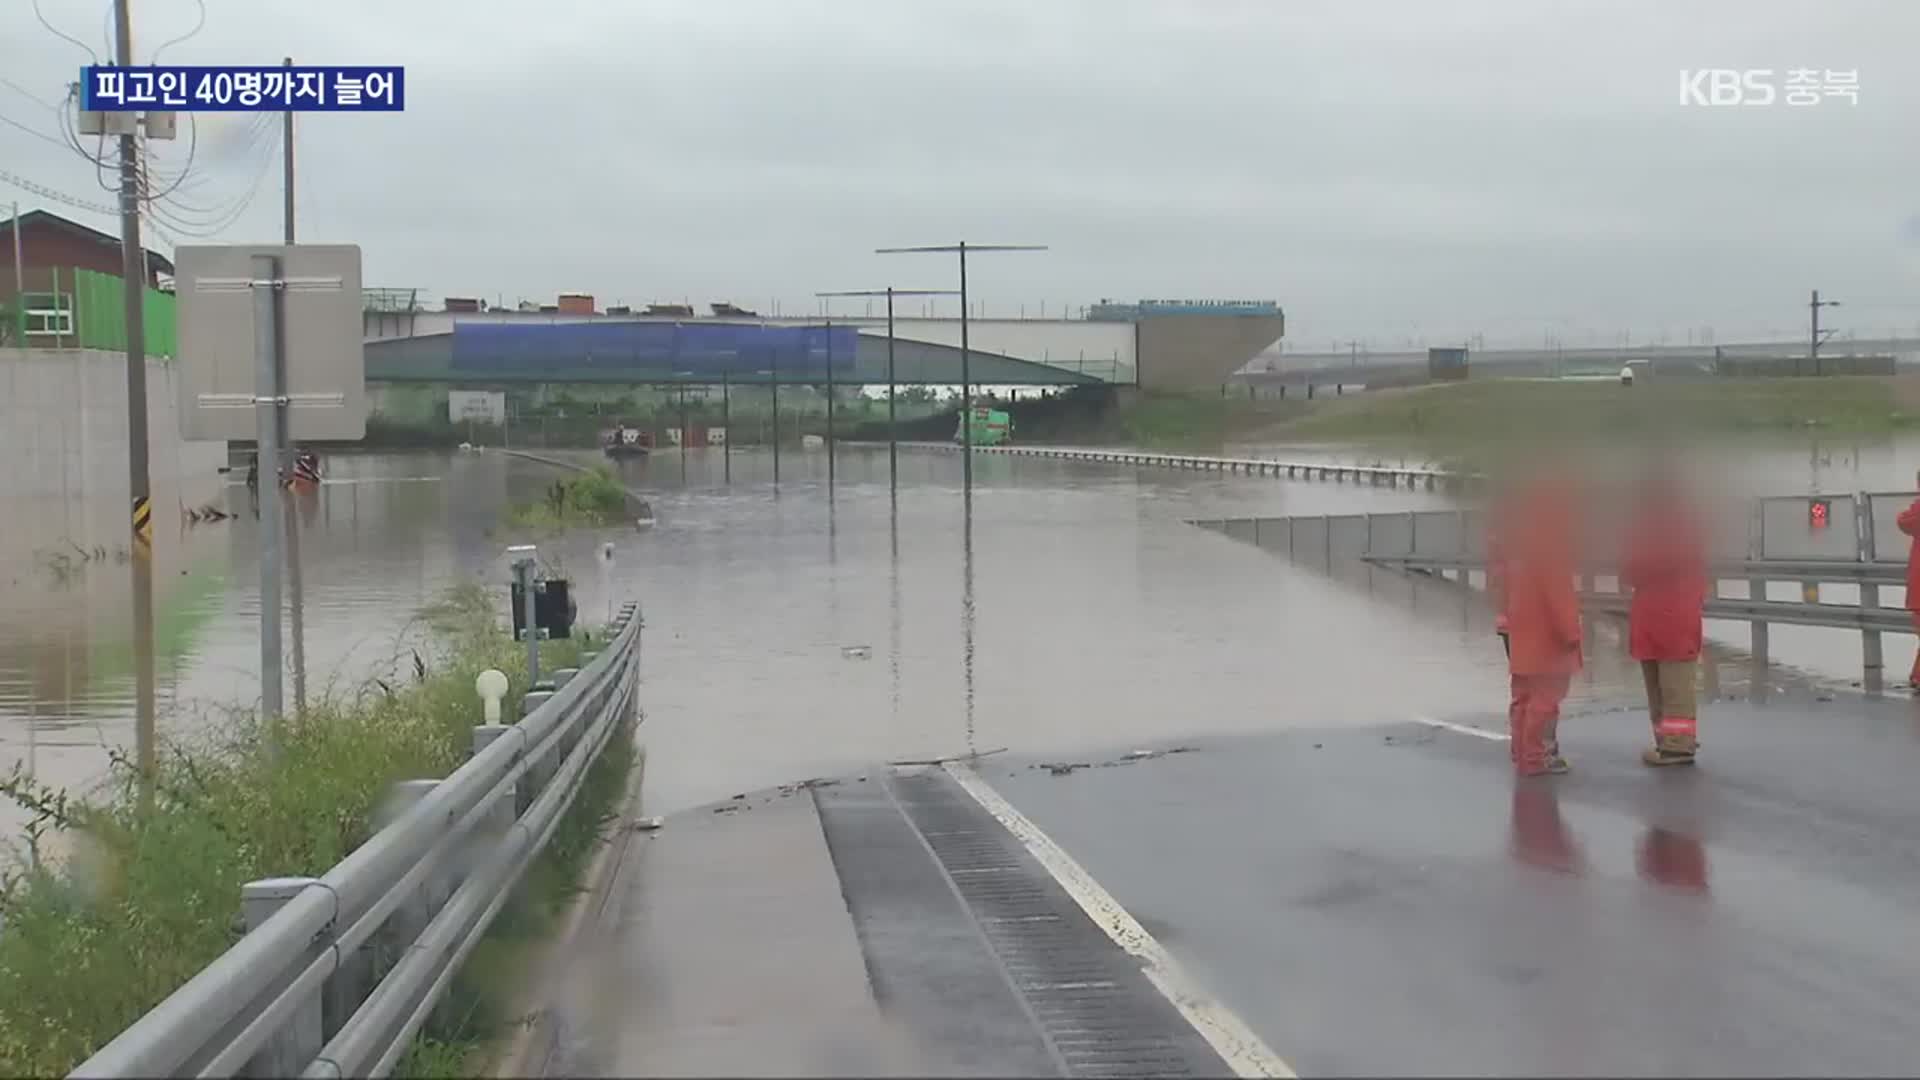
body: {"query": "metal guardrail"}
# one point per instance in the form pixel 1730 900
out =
pixel 1853 548
pixel 336 974
pixel 1389 475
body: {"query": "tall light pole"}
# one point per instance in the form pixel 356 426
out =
pixel 773 376
pixel 966 370
pixel 1815 337
pixel 893 438
pixel 829 348
pixel 296 589
pixel 140 482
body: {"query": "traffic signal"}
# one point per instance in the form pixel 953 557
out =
pixel 1819 512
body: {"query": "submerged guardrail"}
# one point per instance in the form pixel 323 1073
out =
pixel 337 973
pixel 1770 540
pixel 1388 475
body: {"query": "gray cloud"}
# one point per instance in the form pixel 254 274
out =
pixel 1383 169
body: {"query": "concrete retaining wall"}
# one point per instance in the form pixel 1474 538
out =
pixel 63 441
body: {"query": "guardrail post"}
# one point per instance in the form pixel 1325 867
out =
pixel 571 735
pixel 1709 675
pixel 500 816
pixel 412 915
pixel 540 769
pixel 1873 676
pixel 1757 590
pixel 290 1049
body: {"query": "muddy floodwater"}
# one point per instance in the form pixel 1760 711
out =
pixel 790 634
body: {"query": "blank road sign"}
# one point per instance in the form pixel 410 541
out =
pixel 324 364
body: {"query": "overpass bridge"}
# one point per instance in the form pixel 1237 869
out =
pixel 1185 350
pixel 1400 368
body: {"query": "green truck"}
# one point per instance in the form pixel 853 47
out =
pixel 991 427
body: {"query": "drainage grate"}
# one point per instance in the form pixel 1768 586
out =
pixel 1100 1013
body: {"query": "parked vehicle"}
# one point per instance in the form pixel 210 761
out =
pixel 626 442
pixel 991 427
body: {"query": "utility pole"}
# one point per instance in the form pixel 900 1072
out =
pixel 829 337
pixel 296 592
pixel 966 370
pixel 893 437
pixel 1814 336
pixel 286 155
pixel 19 284
pixel 139 481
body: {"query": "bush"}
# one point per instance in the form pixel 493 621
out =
pixel 152 894
pixel 593 497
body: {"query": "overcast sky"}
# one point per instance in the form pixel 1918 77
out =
pixel 1384 170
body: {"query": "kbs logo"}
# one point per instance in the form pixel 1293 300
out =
pixel 1726 86
pixel 1757 86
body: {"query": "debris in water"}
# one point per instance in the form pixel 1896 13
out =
pixel 1062 768
pixel 1148 755
pixel 648 824
pixel 857 652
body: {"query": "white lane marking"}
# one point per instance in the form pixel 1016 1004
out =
pixel 1230 1037
pixel 1496 736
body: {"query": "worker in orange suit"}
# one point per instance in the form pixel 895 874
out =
pixel 1537 535
pixel 1909 522
pixel 1666 567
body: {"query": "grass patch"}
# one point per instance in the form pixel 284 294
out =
pixel 1478 420
pixel 588 499
pixel 152 895
pixel 1197 421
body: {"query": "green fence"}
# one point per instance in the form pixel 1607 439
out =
pixel 100 309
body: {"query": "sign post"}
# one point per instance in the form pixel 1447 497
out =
pixel 523 568
pixel 275 331
pixel 268 395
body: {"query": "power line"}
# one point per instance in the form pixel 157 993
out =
pixel 28 94
pixel 188 36
pixel 42 136
pixel 206 230
pixel 56 32
pixel 45 192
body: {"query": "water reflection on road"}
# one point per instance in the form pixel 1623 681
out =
pixel 789 634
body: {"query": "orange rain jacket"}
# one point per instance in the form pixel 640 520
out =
pixel 1536 536
pixel 1666 566
pixel 1909 522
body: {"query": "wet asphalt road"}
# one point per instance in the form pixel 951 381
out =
pixel 1391 901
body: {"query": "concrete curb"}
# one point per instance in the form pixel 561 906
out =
pixel 531 1049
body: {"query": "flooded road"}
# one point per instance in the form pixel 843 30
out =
pixel 789 634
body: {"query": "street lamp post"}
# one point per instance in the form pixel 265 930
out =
pixel 726 421
pixel 893 438
pixel 829 350
pixel 1815 337
pixel 966 372
pixel 686 436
